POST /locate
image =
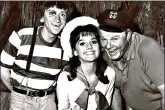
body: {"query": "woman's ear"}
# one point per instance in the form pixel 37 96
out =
pixel 75 53
pixel 42 20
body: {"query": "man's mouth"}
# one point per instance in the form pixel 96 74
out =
pixel 112 52
pixel 56 25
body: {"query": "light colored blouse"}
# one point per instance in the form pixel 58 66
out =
pixel 69 91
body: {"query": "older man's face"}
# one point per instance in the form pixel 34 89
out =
pixel 114 44
pixel 54 19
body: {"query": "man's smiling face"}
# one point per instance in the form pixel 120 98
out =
pixel 54 19
pixel 114 43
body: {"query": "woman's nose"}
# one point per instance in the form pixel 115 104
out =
pixel 89 46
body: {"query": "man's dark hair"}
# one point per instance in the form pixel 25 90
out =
pixel 66 5
pixel 59 4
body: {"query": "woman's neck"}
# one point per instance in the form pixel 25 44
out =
pixel 88 68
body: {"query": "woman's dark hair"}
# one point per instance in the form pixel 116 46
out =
pixel 74 62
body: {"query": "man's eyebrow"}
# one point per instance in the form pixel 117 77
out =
pixel 64 11
pixel 112 36
pixel 116 36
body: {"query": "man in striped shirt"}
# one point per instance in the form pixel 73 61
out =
pixel 31 79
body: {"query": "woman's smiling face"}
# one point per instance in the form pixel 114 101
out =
pixel 87 47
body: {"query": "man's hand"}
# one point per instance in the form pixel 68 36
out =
pixel 161 89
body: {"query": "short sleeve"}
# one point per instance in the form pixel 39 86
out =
pixel 10 50
pixel 152 61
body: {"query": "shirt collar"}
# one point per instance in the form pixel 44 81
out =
pixel 132 48
pixel 43 41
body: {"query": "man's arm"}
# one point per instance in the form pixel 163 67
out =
pixel 7 57
pixel 117 100
pixel 152 58
pixel 161 89
pixel 5 77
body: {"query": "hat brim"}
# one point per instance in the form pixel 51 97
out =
pixel 110 28
pixel 69 27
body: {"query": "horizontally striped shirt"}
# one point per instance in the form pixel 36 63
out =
pixel 46 59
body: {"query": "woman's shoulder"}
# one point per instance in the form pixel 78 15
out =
pixel 63 75
pixel 110 73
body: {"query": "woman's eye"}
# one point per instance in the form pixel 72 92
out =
pixel 94 42
pixel 82 43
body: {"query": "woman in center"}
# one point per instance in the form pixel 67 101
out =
pixel 86 83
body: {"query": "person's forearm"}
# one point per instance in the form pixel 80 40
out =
pixel 161 89
pixel 117 100
pixel 7 84
pixel 5 77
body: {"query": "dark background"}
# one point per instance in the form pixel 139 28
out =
pixel 149 15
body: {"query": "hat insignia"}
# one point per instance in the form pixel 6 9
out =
pixel 113 15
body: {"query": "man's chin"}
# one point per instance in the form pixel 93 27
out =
pixel 56 32
pixel 115 58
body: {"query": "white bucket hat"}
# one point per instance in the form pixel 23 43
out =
pixel 70 26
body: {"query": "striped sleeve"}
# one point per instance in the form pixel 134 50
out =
pixel 10 51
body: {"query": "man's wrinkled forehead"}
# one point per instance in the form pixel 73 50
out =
pixel 106 34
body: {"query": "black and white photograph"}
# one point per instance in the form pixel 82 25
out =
pixel 82 55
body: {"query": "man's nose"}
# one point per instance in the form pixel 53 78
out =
pixel 108 45
pixel 57 18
